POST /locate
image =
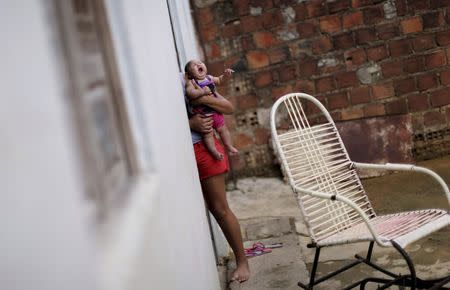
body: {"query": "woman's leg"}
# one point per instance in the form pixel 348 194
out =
pixel 215 196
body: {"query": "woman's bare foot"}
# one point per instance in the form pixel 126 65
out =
pixel 242 272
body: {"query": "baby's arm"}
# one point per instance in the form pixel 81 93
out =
pixel 193 91
pixel 227 73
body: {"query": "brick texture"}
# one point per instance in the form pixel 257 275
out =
pixel 318 50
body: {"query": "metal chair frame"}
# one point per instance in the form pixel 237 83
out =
pixel 333 202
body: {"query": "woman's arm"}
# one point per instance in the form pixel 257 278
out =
pixel 218 103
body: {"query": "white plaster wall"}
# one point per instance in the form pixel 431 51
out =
pixel 159 239
pixel 177 251
pixel 45 239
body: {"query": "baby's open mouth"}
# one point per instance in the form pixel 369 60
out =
pixel 200 69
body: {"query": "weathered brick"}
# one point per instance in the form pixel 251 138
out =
pixel 231 30
pixel 374 109
pixel 397 106
pixel 382 91
pixel 263 79
pixel 338 5
pixel 433 118
pixel 209 32
pixel 415 5
pixel 352 113
pixel 287 73
pixel 316 8
pixel 399 47
pixel 271 19
pixel 346 79
pixel 307 28
pixel 344 40
pixel 414 64
pixel 262 136
pixel 435 59
pixel 247 102
pixel 305 86
pixel 230 121
pixel 373 14
pixel 401 7
pixel 278 55
pixel 352 19
pixel 392 68
pixel 423 42
pixel 376 53
pixel 411 25
pixel 360 95
pixel 216 68
pixel 282 3
pixel 257 59
pixel 447 113
pixel 307 68
pixel 387 31
pixel 337 101
pixel 447 16
pixel 250 24
pixel 247 42
pixel 365 35
pixel 300 12
pixel 212 50
pixel 417 122
pixel 355 58
pixel 204 16
pixel 445 77
pixel 242 141
pixel 281 91
pixel 439 3
pixel 360 3
pixel 330 24
pixel 237 162
pixel 264 4
pixel 264 39
pixel 322 45
pixel 418 102
pixel 242 7
pixel 426 81
pixel 325 84
pixel 440 98
pixel 443 38
pixel 404 86
pixel 432 20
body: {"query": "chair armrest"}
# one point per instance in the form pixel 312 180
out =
pixel 406 167
pixel 351 204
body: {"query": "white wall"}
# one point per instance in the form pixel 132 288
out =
pixel 45 241
pixel 159 239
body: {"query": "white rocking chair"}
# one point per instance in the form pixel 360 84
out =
pixel 332 199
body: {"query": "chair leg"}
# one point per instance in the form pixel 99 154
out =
pixel 408 262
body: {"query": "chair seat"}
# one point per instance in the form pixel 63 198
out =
pixel 404 228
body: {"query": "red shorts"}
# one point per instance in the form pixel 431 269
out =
pixel 207 165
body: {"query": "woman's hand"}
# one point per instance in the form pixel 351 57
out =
pixel 201 123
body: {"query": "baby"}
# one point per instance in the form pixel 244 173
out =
pixel 202 84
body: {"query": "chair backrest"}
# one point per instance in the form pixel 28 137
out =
pixel 314 158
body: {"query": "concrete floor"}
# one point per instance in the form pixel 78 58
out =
pixel 268 212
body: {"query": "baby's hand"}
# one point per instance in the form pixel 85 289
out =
pixel 228 72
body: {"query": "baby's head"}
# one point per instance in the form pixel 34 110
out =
pixel 195 69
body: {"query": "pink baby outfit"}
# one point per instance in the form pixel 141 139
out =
pixel 218 119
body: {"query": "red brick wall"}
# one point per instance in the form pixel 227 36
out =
pixel 321 47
